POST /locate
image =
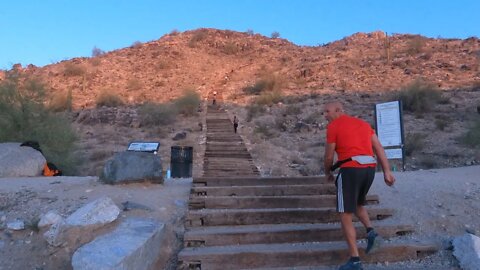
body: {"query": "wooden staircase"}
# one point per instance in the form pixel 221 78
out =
pixel 239 220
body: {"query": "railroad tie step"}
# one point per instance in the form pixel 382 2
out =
pixel 221 217
pixel 282 233
pixel 256 202
pixel 294 255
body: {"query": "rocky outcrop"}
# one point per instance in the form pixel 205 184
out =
pixel 20 161
pixel 131 166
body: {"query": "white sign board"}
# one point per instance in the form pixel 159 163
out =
pixel 395 153
pixel 143 146
pixel 389 126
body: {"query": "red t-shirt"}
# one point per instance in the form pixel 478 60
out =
pixel 352 137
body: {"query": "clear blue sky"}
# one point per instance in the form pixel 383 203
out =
pixel 42 32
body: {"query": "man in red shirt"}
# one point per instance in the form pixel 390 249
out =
pixel 355 143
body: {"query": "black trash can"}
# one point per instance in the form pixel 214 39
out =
pixel 181 159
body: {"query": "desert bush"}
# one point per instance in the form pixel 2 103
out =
pixel 250 32
pixel 108 99
pixel 24 117
pixel 72 69
pixel 188 103
pixel 136 44
pixel 253 111
pixel 268 82
pixel 472 137
pixel 134 84
pixel 153 114
pixel 414 142
pixel 269 98
pixel 441 121
pixel 95 61
pixel 97 51
pixel 275 34
pixel 230 48
pixel 61 102
pixel 419 96
pixel 416 45
pixel 174 32
pixel 263 130
pixel 198 36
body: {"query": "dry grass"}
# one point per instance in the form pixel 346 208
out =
pixel 109 99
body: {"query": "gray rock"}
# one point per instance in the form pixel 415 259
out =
pixel 133 245
pixel 20 161
pixel 466 249
pixel 100 211
pixel 80 226
pixel 50 218
pixel 180 136
pixel 133 166
pixel 16 225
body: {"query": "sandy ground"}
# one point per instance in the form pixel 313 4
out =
pixel 27 198
pixel 440 203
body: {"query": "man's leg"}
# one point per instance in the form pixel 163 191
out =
pixel 362 215
pixel 350 233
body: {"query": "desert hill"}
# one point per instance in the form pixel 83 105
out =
pixel 207 59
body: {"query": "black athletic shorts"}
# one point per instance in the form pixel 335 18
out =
pixel 352 188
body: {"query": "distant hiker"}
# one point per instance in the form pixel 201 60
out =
pixel 355 143
pixel 214 98
pixel 235 123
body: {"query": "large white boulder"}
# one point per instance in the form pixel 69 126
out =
pixel 79 227
pixel 135 244
pixel 20 161
pixel 466 249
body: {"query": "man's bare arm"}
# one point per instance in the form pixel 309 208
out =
pixel 382 158
pixel 328 160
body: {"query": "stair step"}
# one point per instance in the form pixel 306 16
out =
pixel 281 233
pixel 253 202
pixel 220 217
pixel 257 181
pixel 275 190
pixel 293 255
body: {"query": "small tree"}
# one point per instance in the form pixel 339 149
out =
pixel 23 117
pixel 97 52
pixel 275 34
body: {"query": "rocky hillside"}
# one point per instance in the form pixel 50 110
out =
pixel 207 59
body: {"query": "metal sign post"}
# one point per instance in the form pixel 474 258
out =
pixel 389 129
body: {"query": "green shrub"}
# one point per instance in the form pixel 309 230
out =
pixel 188 103
pixel 152 114
pixel 108 99
pixel 414 142
pixel 419 97
pixel 275 34
pixel 24 117
pixel 472 137
pixel 61 102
